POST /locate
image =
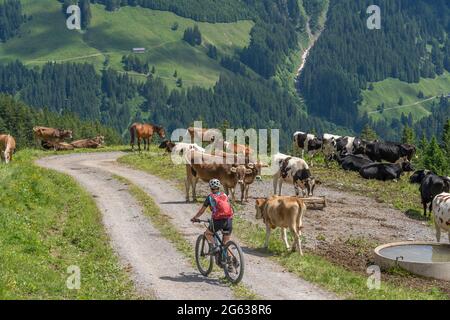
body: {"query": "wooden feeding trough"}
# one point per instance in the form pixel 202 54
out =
pixel 316 203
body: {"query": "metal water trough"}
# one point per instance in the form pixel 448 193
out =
pixel 426 259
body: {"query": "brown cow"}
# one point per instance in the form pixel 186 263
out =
pixel 283 212
pixel 7 147
pixel 246 176
pixel 203 134
pixel 238 149
pixel 56 146
pixel 206 167
pixel 94 143
pixel 51 134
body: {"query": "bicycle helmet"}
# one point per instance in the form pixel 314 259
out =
pixel 215 184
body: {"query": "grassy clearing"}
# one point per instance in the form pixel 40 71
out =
pixel 46 38
pixel 167 229
pixel 311 267
pixel 49 223
pixel 389 92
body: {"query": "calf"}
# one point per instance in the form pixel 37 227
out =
pixel 247 175
pixel 441 211
pixel 385 171
pixel 430 187
pixel 283 212
pixel 304 181
pixel 307 142
pixel 288 167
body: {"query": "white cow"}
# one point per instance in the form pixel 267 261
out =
pixel 287 166
pixel 441 211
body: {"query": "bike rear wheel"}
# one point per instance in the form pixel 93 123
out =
pixel 203 258
pixel 235 264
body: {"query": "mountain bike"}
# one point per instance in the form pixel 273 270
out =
pixel 229 257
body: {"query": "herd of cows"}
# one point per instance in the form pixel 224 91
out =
pixel 372 159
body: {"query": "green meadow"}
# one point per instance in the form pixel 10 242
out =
pixel 114 34
pixel 390 90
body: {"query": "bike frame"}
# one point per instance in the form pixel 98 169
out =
pixel 216 236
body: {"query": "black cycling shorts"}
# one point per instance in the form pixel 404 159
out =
pixel 224 225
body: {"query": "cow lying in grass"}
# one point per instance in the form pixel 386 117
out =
pixel 56 146
pixel 283 212
pixel 386 171
pixel 93 143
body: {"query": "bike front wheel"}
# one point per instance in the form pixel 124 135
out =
pixel 203 258
pixel 235 264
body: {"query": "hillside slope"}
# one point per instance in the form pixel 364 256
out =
pixel 45 38
pixel 412 47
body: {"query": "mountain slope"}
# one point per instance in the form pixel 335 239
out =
pixel 114 34
pixel 413 44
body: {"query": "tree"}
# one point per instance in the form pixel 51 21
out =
pixel 371 87
pixel 179 82
pixel 400 101
pixel 408 135
pixel 446 139
pixel 212 52
pixel 174 26
pixel 368 133
pixel 86 15
pixel 421 95
pixel 193 36
pixel 434 158
pixel 175 74
pixel 153 70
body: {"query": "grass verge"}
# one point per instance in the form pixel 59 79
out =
pixel 168 231
pixel 49 223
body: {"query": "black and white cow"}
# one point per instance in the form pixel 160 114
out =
pixel 441 211
pixel 329 142
pixel 292 170
pixel 430 187
pixel 307 142
pixel 349 145
pixel 385 171
pixel 389 151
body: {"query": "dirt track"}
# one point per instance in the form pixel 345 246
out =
pixel 155 265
